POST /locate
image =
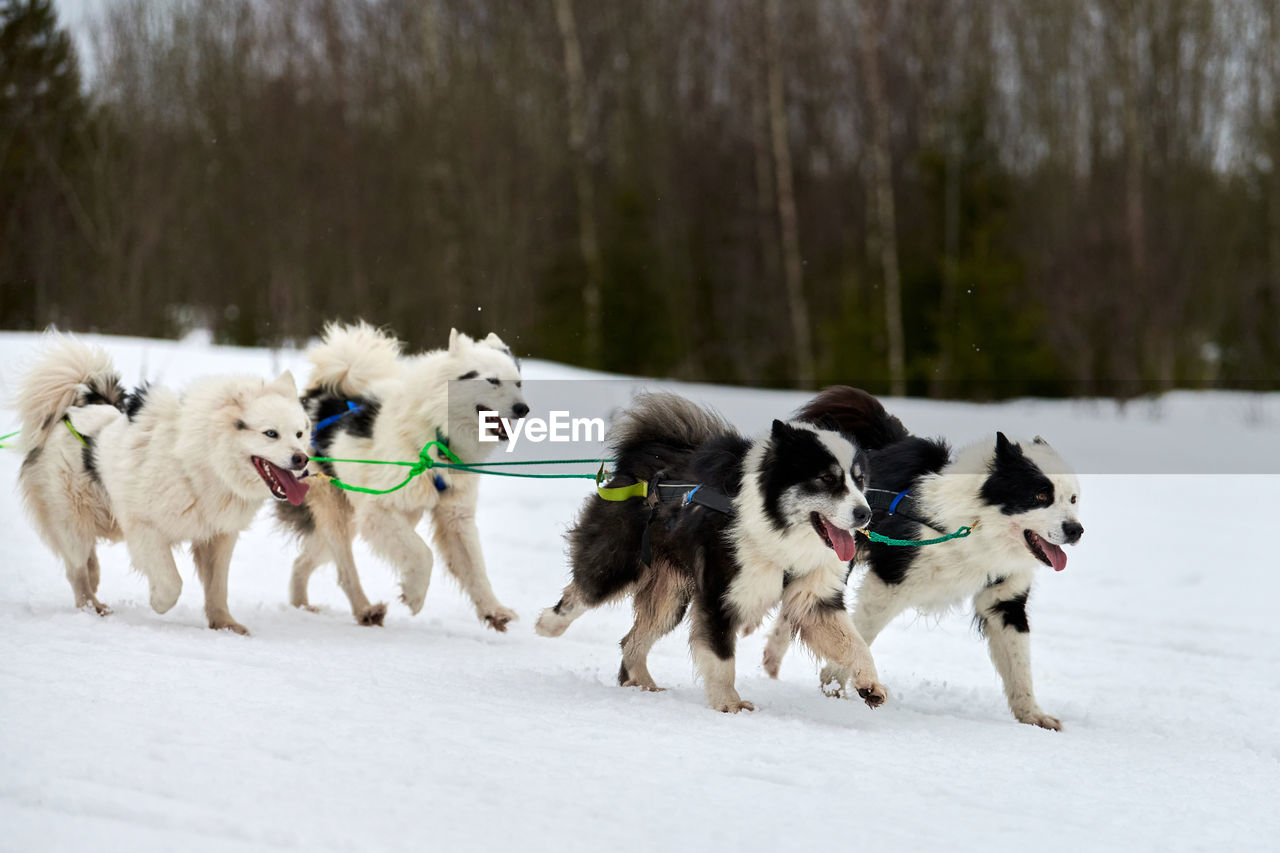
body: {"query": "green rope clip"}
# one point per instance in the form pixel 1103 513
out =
pixel 915 543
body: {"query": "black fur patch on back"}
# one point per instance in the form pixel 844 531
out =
pixel 897 468
pixel 1013 612
pixel 90 460
pixel 794 456
pixel 321 405
pixel 1014 481
pixel 135 400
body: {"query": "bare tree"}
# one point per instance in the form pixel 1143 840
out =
pixel 589 243
pixel 793 269
pixel 881 189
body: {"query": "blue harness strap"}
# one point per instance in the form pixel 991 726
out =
pixel 893 507
pixel 352 409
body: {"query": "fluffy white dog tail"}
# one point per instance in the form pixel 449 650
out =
pixel 350 359
pixel 67 373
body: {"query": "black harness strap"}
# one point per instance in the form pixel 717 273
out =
pixel 900 504
pixel 687 493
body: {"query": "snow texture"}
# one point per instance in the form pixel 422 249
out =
pixel 1157 647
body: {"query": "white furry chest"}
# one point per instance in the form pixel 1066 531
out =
pixel 948 574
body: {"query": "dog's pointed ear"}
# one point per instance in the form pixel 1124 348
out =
pixel 455 340
pixel 1040 440
pixel 1006 448
pixel 782 430
pixel 494 341
pixel 285 384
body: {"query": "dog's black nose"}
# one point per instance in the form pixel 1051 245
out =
pixel 1073 530
pixel 861 516
pixel 520 410
pixel 299 461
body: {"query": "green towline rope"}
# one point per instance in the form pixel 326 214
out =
pixel 426 463
pixel 66 421
pixel 915 543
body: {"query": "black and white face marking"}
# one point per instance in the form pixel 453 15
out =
pixel 1035 486
pixel 810 477
pixel 488 381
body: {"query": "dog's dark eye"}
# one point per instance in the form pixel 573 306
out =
pixel 494 381
pixel 1042 497
pixel 519 384
pixel 299 434
pixel 1073 498
pixel 271 434
pixel 828 478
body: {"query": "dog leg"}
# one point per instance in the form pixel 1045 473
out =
pixel 784 631
pixel 660 603
pixel 1001 612
pixel 335 528
pixel 814 604
pixel 829 632
pixel 712 638
pixel 213 564
pixel 391 535
pixel 94 571
pixel 152 555
pixel 878 603
pixel 80 577
pixel 453 527
pixel 555 620
pixel 311 556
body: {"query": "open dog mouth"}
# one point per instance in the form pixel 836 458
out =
pixel 283 485
pixel 1045 551
pixel 499 429
pixel 836 538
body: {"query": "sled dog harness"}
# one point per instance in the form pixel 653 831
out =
pixel 658 493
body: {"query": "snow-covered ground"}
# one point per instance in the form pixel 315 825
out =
pixel 1158 647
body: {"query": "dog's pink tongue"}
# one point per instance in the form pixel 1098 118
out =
pixel 294 489
pixel 842 540
pixel 1056 555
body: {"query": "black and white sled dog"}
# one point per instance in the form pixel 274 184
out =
pixel 772 521
pixel 153 467
pixel 1021 499
pixel 368 402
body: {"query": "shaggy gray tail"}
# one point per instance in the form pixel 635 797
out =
pixel 665 420
pixel 68 373
pixel 856 413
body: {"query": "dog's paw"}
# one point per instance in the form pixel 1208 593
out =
pixel 499 617
pixel 772 662
pixel 96 606
pixel 874 694
pixel 647 686
pixel 413 600
pixel 1036 717
pixel 551 624
pixel 832 681
pixel 373 614
pixel 164 596
pixel 226 623
pixel 733 706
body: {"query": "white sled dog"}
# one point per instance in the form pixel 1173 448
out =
pixel 368 402
pixel 154 468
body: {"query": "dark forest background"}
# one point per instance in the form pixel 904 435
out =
pixel 952 197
